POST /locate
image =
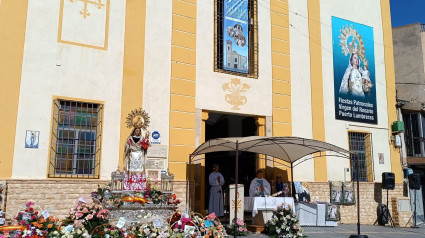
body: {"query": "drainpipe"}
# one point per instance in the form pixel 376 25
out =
pixel 403 152
pixel 421 134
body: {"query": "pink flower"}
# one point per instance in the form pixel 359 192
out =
pixel 79 214
pixel 77 223
pixel 28 204
pixel 89 217
pixel 33 217
pixel 212 216
pixel 240 229
pixel 22 222
pixel 85 210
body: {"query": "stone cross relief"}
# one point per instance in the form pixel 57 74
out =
pixel 97 3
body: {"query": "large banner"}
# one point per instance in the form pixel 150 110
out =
pixel 235 39
pixel 354 72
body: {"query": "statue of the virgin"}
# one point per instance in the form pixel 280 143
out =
pixel 135 151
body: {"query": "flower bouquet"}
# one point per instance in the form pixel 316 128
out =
pixel 284 223
pixel 89 215
pixel 240 227
pixel 172 199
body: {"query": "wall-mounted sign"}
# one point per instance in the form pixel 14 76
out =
pixel 155 137
pixel 31 139
pixel 157 151
pixel 354 71
pixel 155 163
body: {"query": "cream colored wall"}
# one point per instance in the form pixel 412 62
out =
pixel 156 83
pixel 56 69
pixel 300 82
pixel 209 92
pixel 336 130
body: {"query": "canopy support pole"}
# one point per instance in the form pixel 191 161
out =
pixel 357 164
pixel 292 182
pixel 236 188
pixel 188 186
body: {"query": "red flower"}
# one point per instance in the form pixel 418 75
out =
pixel 145 143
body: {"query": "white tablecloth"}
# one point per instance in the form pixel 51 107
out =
pixel 265 203
pixel 312 214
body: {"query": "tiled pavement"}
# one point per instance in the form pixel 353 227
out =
pixel 344 231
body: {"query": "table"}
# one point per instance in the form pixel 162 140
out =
pixel 312 214
pixel 265 203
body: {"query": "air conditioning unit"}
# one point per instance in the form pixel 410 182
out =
pixel 347 174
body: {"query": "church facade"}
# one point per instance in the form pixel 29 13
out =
pixel 71 72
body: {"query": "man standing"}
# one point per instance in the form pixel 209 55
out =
pixel 259 186
pixel 216 180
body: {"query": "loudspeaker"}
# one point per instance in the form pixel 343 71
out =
pixel 415 181
pixel 382 214
pixel 388 181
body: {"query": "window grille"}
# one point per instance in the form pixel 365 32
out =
pixel 252 42
pixel 76 139
pixel 361 147
pixel 412 135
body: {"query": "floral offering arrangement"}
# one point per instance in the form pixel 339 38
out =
pixel 88 215
pixel 30 223
pixel 196 226
pixel 151 195
pixel 284 223
pixel 240 227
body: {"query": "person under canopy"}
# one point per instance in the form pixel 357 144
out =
pixel 216 180
pixel 259 186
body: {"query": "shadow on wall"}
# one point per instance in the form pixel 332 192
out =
pixel 377 192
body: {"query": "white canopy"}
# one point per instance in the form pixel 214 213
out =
pixel 289 149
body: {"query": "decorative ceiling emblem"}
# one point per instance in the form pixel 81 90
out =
pixel 235 89
pixel 97 3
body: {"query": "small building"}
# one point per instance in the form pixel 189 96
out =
pixel 409 55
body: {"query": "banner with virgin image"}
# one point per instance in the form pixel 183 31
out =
pixel 354 71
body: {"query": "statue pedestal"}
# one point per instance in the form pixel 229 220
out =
pixel 134 212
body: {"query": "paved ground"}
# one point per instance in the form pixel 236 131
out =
pixel 344 231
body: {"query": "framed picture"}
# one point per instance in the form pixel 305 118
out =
pixel 31 139
pixel 302 193
pixel 381 158
pixel 332 212
pixel 154 174
pixel 349 195
pixel 336 192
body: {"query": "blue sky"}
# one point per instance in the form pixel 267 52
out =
pixel 404 12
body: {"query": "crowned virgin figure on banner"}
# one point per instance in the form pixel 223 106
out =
pixel 135 151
